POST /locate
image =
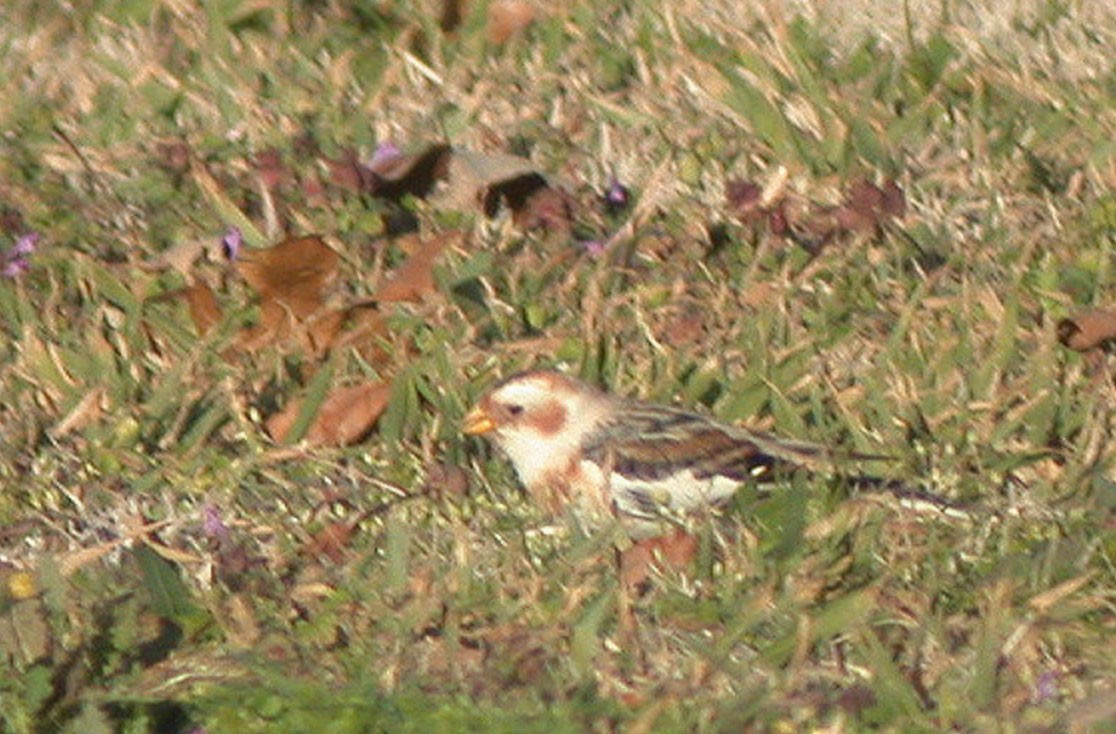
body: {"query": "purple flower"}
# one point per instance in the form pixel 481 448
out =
pixel 25 245
pixel 15 267
pixel 231 243
pixel 617 197
pixel 212 524
pixel 593 248
pixel 1046 687
pixel 385 153
pixel 16 260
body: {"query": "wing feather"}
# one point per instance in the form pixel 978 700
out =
pixel 653 443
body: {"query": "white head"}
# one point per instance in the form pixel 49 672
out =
pixel 539 419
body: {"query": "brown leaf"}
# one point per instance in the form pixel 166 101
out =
pixel 349 173
pixel 674 551
pixel 345 416
pixel 894 200
pixel 743 198
pixel 507 18
pixel 867 206
pixel 414 279
pixel 331 541
pixel 363 329
pixel 173 156
pixel 292 280
pixel 445 480
pixel 545 207
pixel 204 309
pixel 293 274
pixel 1087 330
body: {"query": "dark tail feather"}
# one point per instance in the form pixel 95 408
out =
pixel 908 497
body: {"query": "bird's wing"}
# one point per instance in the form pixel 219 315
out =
pixel 654 443
pixel 665 459
pixel 660 459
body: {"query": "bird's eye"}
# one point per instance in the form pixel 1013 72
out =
pixel 514 410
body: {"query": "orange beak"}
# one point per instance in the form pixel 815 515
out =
pixel 477 423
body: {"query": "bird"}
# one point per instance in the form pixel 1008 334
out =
pixel 576 447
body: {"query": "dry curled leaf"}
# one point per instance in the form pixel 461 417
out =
pixel 1087 330
pixel 414 279
pixel 345 416
pixel 471 176
pixel 415 173
pixel 293 274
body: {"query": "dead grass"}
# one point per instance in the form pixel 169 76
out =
pixel 167 566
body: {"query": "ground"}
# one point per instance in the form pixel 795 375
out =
pixel 259 259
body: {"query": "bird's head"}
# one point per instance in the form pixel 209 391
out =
pixel 538 418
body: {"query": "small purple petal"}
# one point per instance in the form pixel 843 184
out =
pixel 25 245
pixel 385 153
pixel 231 243
pixel 617 194
pixel 15 267
pixel 617 197
pixel 593 248
pixel 212 524
pixel 1046 687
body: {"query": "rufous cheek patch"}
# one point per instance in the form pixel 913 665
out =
pixel 549 420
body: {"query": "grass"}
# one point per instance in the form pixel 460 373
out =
pixel 167 566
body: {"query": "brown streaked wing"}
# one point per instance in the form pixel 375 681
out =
pixel 654 443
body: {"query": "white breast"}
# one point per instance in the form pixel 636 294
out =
pixel 681 491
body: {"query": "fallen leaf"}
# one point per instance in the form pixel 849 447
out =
pixel 414 279
pixel 363 329
pixel 743 198
pixel 331 541
pixel 412 174
pixel 1087 330
pixel 292 280
pixel 545 207
pixel 445 480
pixel 345 416
pixel 204 309
pixel 293 274
pixel 507 18
pixel 471 175
pixel 673 551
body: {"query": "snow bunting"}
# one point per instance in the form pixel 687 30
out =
pixel 575 446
